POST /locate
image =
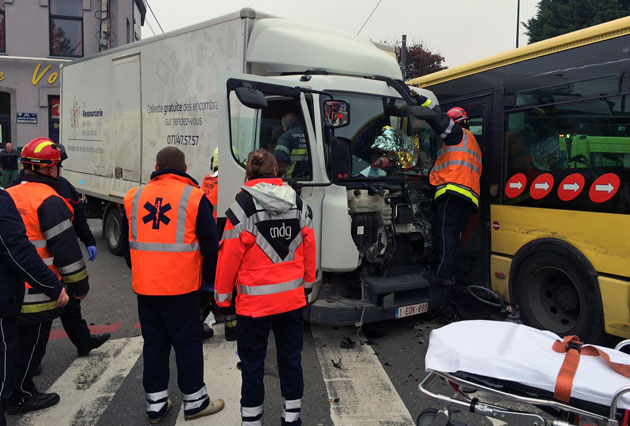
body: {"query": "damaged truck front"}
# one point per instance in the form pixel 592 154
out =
pixel 360 160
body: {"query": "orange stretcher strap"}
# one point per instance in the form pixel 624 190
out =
pixel 572 346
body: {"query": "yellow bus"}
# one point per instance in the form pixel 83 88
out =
pixel 553 231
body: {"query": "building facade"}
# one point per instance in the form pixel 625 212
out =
pixel 36 37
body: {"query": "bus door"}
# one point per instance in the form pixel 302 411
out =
pixel 476 239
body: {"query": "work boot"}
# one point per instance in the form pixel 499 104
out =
pixel 94 341
pixel 37 401
pixel 157 418
pixel 230 330
pixel 215 406
pixel 207 332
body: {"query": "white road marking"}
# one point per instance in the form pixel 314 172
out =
pixel 223 380
pixel 365 392
pixel 87 387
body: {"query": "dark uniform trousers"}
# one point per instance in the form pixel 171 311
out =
pixel 32 340
pixel 8 361
pixel 452 213
pixel 251 339
pixel 172 321
pixel 74 324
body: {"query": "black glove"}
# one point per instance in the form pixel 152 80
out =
pixel 222 310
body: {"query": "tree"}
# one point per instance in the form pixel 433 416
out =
pixel 556 17
pixel 421 61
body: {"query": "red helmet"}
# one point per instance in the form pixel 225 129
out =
pixel 457 114
pixel 41 152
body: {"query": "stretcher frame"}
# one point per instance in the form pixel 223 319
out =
pixel 513 417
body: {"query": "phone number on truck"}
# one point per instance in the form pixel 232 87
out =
pixel 182 140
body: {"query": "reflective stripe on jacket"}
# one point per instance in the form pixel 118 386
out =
pixel 458 169
pixel 162 218
pixel 210 186
pixel 28 197
pixel 267 251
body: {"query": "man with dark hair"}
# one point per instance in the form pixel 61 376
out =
pixel 170 241
pixel 291 151
pixel 19 262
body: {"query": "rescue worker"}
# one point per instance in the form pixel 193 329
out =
pixel 268 254
pixel 19 261
pixel 71 318
pixel 9 164
pixel 456 176
pixel 48 221
pixel 291 151
pixel 170 241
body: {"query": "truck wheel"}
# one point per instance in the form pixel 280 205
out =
pixel 557 291
pixel 112 227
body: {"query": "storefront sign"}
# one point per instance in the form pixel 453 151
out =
pixel 27 117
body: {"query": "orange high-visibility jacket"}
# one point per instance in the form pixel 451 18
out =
pixel 210 186
pixel 28 197
pixel 162 217
pixel 458 169
pixel 267 251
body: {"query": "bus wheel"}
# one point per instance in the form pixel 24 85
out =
pixel 112 228
pixel 556 292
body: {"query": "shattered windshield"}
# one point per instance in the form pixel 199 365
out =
pixel 382 140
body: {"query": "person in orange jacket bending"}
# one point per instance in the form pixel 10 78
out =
pixel 268 254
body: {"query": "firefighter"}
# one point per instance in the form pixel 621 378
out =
pixel 170 241
pixel 268 253
pixel 291 151
pixel 71 318
pixel 48 221
pixel 456 176
pixel 19 261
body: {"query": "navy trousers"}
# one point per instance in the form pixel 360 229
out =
pixel 251 339
pixel 172 321
pixel 74 324
pixel 8 361
pixel 452 213
pixel 32 340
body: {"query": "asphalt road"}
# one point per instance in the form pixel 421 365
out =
pixel 371 380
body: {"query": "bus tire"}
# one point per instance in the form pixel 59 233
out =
pixel 556 289
pixel 112 229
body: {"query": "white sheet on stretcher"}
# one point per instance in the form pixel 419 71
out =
pixel 522 354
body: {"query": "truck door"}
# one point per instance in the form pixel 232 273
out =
pixel 283 126
pixel 127 116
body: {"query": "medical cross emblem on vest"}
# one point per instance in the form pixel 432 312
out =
pixel 156 213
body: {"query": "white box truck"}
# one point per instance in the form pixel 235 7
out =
pixel 237 83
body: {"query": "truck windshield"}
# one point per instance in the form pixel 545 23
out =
pixel 382 139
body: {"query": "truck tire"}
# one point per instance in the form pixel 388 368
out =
pixel 112 227
pixel 556 289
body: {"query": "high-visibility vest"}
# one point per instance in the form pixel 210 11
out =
pixel 458 169
pixel 162 217
pixel 210 186
pixel 28 197
pixel 269 257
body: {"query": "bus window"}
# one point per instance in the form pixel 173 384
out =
pixel 590 138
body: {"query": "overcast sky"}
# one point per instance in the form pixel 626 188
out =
pixel 460 30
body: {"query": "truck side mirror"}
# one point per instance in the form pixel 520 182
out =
pixel 336 113
pixel 251 98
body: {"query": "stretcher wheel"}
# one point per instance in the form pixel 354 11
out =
pixel 555 287
pixel 430 417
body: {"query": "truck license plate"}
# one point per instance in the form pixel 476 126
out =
pixel 407 311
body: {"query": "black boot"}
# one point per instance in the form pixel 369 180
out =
pixel 206 332
pixel 93 342
pixel 38 401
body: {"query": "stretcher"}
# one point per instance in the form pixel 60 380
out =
pixel 493 367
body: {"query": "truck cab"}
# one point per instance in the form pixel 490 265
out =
pixel 362 165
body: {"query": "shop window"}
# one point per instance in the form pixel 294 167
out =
pixel 66 28
pixel 3 47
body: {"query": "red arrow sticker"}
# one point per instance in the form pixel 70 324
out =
pixel 515 185
pixel 570 187
pixel 541 186
pixel 604 188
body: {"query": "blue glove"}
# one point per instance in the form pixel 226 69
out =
pixel 91 253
